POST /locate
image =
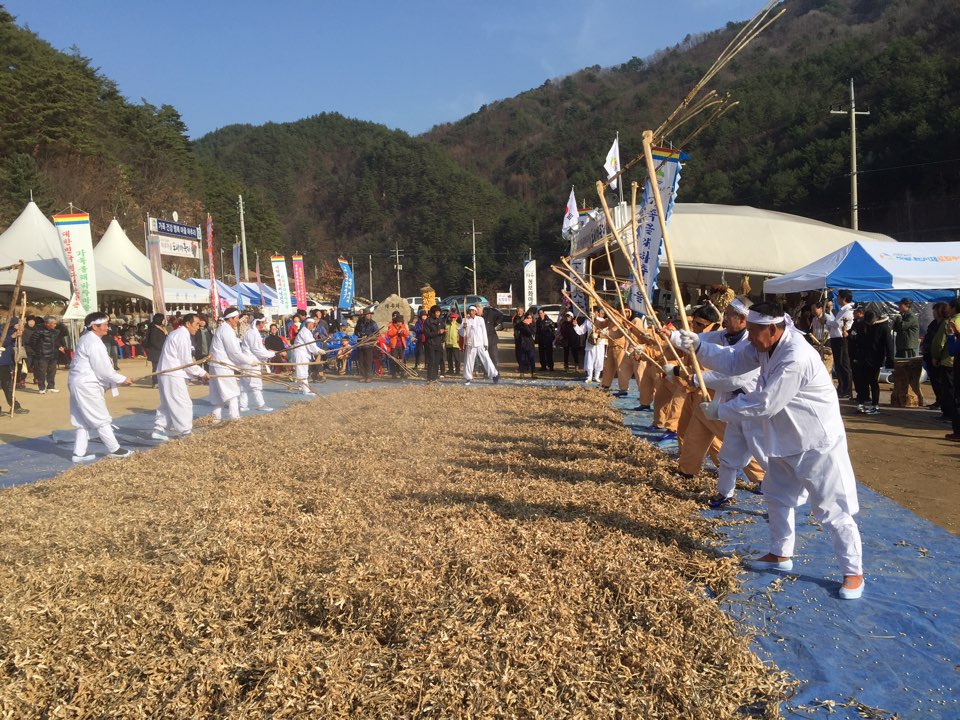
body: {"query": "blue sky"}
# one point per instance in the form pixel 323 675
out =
pixel 408 65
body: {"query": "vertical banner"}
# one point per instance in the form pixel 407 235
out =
pixel 74 231
pixel 649 237
pixel 529 283
pixel 299 282
pixel 578 296
pixel 156 275
pixel 214 295
pixel 236 263
pixel 346 289
pixel 281 282
pixel 263 300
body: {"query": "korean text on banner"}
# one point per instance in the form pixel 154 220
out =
pixel 529 283
pixel 299 282
pixel 281 282
pixel 74 230
pixel 578 296
pixel 346 289
pixel 649 237
pixel 156 274
pixel 214 294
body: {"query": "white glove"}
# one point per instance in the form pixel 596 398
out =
pixel 711 410
pixel 668 369
pixel 685 340
pixel 696 380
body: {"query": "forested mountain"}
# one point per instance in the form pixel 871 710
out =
pixel 328 185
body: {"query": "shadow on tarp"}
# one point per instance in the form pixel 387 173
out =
pixel 896 650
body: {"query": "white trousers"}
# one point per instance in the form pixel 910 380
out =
pixel 735 453
pixel 233 409
pixel 83 439
pixel 251 387
pixel 593 359
pixel 827 476
pixel 470 355
pixel 176 408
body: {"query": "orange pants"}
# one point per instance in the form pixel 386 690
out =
pixel 611 364
pixel 640 371
pixel 667 403
pixel 702 436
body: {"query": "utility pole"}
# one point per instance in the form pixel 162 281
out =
pixel 397 252
pixel 243 241
pixel 473 226
pixel 838 110
pixel 370 260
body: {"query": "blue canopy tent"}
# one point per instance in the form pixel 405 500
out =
pixel 879 271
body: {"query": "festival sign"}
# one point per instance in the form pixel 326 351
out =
pixel 74 231
pixel 649 237
pixel 529 283
pixel 174 238
pixel 281 282
pixel 299 282
pixel 346 289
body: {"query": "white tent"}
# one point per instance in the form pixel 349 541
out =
pixel 130 271
pixel 34 239
pixel 878 271
pixel 709 239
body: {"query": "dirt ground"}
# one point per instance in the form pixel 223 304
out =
pixel 900 453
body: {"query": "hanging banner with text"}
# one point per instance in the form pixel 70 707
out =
pixel 214 294
pixel 346 289
pixel 649 236
pixel 529 283
pixel 281 282
pixel 174 238
pixel 74 231
pixel 299 282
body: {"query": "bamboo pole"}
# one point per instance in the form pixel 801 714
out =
pixel 661 217
pixel 179 367
pixel 18 346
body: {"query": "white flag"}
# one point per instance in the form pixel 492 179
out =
pixel 572 216
pixel 612 165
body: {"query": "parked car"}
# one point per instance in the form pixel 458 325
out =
pixel 461 301
pixel 414 303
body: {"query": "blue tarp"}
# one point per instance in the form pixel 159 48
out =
pixel 880 271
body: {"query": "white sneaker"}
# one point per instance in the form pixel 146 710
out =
pixel 43 392
pixel 309 392
pixel 467 382
pixel 120 453
pixel 54 390
pixel 264 409
pixel 161 436
pixel 84 458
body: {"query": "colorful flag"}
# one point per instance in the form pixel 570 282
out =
pixel 281 282
pixel 214 294
pixel 299 282
pixel 346 289
pixel 571 216
pixel 74 230
pixel 612 164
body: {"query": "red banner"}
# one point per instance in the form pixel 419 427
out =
pixel 214 295
pixel 299 282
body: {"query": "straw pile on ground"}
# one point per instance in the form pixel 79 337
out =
pixel 441 552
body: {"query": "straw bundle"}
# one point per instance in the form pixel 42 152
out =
pixel 531 560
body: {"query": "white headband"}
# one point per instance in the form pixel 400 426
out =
pixel 755 318
pixel 102 321
pixel 739 307
pixel 231 314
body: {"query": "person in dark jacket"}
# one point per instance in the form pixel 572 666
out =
pixel 906 325
pixel 856 350
pixel 433 333
pixel 420 347
pixel 46 343
pixel 877 353
pixel 492 318
pixel 28 330
pixel 153 340
pixel 546 334
pixel 517 319
pixel 527 332
pixel 365 328
pixel 7 363
pixel 571 342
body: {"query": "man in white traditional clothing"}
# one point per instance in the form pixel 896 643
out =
pixel 227 359
pixel 596 346
pixel 253 344
pixel 177 367
pixel 91 372
pixel 802 433
pixel 475 343
pixel 305 350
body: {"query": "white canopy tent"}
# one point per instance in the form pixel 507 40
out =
pixel 34 239
pixel 131 270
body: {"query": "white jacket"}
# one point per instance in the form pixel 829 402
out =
pixel 794 397
pixel 177 351
pixel 474 332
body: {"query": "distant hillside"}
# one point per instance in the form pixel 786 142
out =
pixel 781 149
